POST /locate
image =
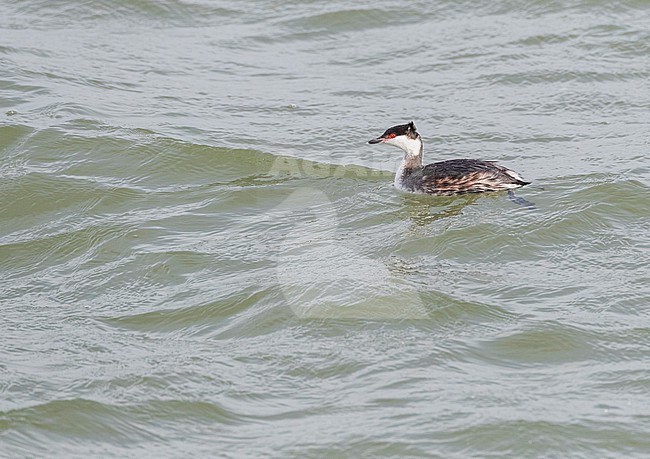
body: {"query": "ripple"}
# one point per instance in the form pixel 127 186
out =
pixel 166 12
pixel 348 20
pixel 542 344
pixel 88 422
pixel 550 437
pixel 210 318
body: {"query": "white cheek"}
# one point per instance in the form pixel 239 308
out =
pixel 410 145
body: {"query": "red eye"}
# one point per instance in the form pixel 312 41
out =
pixel 391 136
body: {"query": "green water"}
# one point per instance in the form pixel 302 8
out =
pixel 200 255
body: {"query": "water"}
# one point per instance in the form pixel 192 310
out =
pixel 200 254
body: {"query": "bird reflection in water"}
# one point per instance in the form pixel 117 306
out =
pixel 423 210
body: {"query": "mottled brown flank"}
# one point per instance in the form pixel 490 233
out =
pixel 475 182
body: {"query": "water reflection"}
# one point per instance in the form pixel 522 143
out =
pixel 423 210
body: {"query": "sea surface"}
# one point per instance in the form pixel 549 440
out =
pixel 201 256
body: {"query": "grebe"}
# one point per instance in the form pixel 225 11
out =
pixel 455 176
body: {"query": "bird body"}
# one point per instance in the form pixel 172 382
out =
pixel 455 176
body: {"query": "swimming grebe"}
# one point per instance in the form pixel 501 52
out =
pixel 455 176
